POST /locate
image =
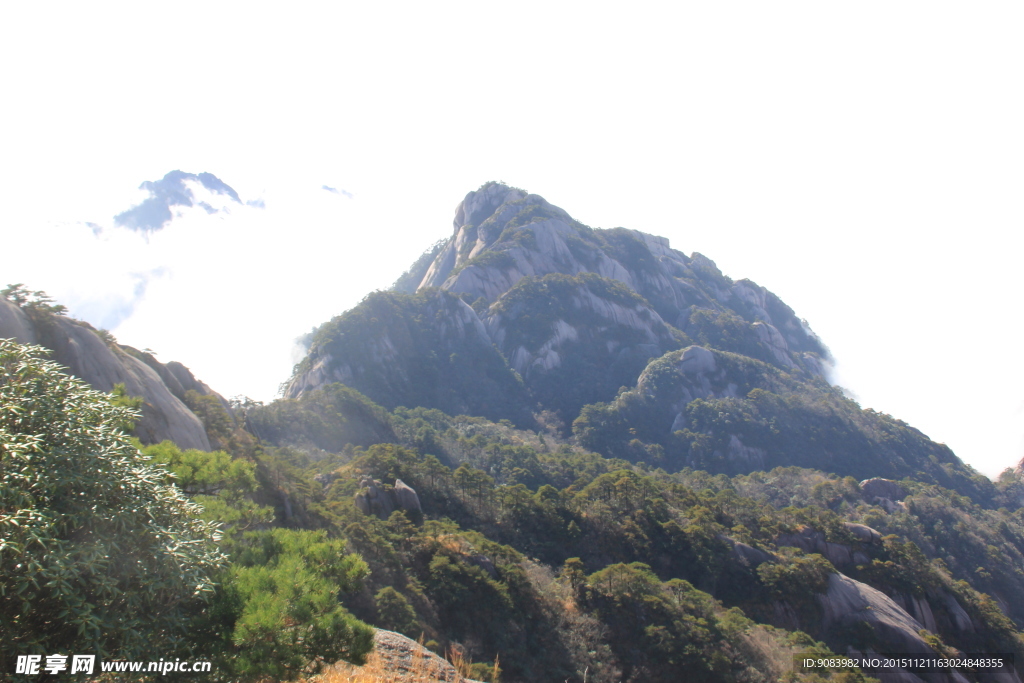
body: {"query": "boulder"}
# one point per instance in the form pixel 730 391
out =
pixel 747 555
pixel 406 498
pixel 697 359
pixel 847 602
pixel 400 659
pixel 374 499
pixel 864 534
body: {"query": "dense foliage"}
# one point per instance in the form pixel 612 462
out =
pixel 99 553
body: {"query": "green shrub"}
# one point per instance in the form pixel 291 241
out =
pixel 99 554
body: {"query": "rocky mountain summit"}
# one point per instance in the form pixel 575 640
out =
pixel 555 297
pixel 503 235
pixel 526 314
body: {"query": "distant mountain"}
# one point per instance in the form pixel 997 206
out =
pixel 171 191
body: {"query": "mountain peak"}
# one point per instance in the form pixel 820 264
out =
pixel 503 234
pixel 173 190
pixel 555 314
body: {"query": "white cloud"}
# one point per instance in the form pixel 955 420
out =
pixel 226 293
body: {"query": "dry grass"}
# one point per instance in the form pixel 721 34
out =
pixel 418 666
pixel 376 670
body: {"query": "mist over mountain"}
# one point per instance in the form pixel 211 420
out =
pixel 175 285
pixel 156 211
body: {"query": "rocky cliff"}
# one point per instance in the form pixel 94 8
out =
pixel 655 355
pixel 102 363
pixel 559 301
pixel 502 235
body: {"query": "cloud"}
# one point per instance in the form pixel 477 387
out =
pixel 226 293
pixel 154 213
pixel 335 190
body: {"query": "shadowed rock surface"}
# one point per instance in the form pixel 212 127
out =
pixel 847 602
pixel 375 499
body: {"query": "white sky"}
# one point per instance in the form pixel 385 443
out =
pixel 862 160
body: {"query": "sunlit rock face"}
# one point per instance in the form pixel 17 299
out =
pixel 102 364
pixel 503 235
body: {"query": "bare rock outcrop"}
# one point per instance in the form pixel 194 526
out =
pixel 863 533
pixel 747 555
pixel 400 659
pixel 406 498
pixel 634 299
pixel 536 238
pixel 847 602
pixel 102 364
pixel 918 607
pixel 373 498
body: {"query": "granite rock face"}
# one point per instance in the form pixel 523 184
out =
pixel 373 498
pixel 101 364
pixel 406 498
pixel 847 602
pixel 556 300
pixel 14 324
pixel 839 554
pixel 503 235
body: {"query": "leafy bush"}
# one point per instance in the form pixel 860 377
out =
pixel 99 554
